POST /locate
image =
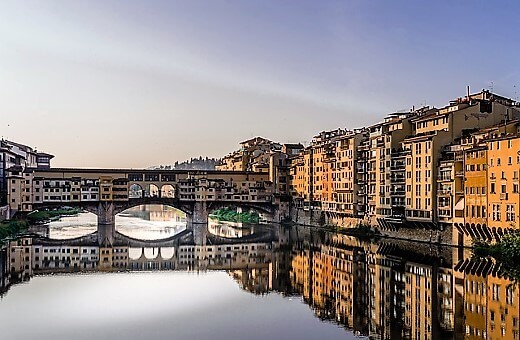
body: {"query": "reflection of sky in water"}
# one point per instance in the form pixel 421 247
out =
pixel 160 305
pixel 143 223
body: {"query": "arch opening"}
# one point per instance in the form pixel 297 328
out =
pixel 151 222
pixel 135 191
pixel 167 191
pixel 152 190
pixel 73 226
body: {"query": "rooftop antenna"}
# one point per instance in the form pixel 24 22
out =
pixel 516 94
pixel 467 91
pixel 491 87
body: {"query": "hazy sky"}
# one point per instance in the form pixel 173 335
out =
pixel 139 83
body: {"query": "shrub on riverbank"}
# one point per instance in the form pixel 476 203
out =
pixel 506 252
pixel 12 228
pixel 230 215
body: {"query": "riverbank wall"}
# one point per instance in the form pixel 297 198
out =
pixel 319 218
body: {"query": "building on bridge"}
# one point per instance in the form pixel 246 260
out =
pixel 107 192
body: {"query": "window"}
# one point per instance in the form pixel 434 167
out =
pixel 510 294
pixel 496 212
pixel 510 213
pixel 496 293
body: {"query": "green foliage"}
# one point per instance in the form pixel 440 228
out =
pixel 46 215
pixel 11 228
pixel 230 215
pixel 506 252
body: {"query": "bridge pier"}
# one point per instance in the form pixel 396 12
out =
pixel 106 228
pixel 200 213
pixel 199 232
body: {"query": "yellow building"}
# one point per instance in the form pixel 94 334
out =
pixel 345 187
pixel 252 156
pixel 503 198
pixel 298 179
pixel 434 130
pixel 502 309
pixel 418 300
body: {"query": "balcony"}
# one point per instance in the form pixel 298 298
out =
pixel 397 167
pixel 397 203
pixel 397 192
pixel 397 179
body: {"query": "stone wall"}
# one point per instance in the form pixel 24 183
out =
pixel 318 218
pixel 421 235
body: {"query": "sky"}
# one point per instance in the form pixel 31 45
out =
pixel 131 84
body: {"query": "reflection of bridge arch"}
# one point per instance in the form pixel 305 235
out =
pixel 151 253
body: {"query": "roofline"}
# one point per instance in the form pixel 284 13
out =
pixel 107 170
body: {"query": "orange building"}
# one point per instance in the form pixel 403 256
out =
pixel 503 201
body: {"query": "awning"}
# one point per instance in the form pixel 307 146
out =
pixel 460 204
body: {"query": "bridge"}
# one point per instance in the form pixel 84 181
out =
pixel 107 192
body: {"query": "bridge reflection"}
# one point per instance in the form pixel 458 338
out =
pixel 389 289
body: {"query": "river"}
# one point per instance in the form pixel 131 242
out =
pixel 245 282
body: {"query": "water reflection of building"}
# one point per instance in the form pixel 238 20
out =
pixel 381 290
pixel 385 290
pixel 254 280
pixel 53 257
pixel 19 253
pixel 491 302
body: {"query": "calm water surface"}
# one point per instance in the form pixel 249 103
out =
pixel 232 281
pixel 154 305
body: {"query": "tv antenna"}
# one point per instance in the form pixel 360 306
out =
pixel 491 87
